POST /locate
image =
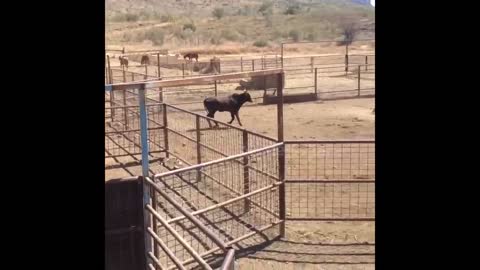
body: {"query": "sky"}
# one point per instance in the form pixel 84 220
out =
pixel 372 2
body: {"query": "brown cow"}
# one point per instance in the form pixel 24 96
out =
pixel 123 61
pixel 190 56
pixel 145 60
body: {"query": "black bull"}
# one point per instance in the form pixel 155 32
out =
pixel 231 103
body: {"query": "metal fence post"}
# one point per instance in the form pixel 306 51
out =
pixel 241 64
pixel 366 62
pixel 165 129
pixel 281 56
pixel 246 175
pixel 311 64
pixel 281 153
pixel 183 70
pixel 199 149
pixel 146 72
pixel 216 90
pixel 346 64
pixel 253 64
pixel 145 164
pixel 125 115
pixel 316 89
pixel 158 64
pixel 359 68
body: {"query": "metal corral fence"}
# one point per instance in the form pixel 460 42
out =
pixel 325 83
pixel 171 130
pixel 234 184
pixel 198 211
pixel 330 180
pixel 330 82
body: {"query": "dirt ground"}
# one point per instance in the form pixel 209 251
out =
pixel 317 120
pixel 316 245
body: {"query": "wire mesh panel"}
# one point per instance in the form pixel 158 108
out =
pixel 331 180
pixel 235 198
pixel 195 139
pixel 122 134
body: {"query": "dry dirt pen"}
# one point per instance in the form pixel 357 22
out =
pixel 338 72
pixel 239 190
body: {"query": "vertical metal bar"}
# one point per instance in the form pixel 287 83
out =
pixel 199 149
pixel 125 115
pixel 316 89
pixel 366 62
pixel 216 90
pixel 281 153
pixel 346 64
pixel 311 64
pixel 253 64
pixel 276 60
pixel 133 77
pixel 109 70
pixel 124 74
pixel 156 250
pixel 112 95
pixel 145 164
pixel 143 130
pixel 241 64
pixel 165 129
pixel 359 67
pixel 219 66
pixel 246 176
pixel 183 70
pixel 146 72
pixel 158 65
pixel 282 55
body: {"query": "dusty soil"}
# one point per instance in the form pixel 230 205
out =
pixel 336 119
pixel 316 245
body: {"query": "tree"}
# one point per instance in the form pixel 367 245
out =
pixel 266 8
pixel 218 13
pixel 349 32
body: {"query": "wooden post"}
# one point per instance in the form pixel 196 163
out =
pixel 316 89
pixel 158 64
pixel 165 129
pixel 246 176
pixel 216 90
pixel 199 150
pixel 281 153
pixel 366 62
pixel 359 67
pixel 183 70
pixel 241 64
pixel 311 64
pixel 253 64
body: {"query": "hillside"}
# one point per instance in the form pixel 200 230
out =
pixel 231 23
